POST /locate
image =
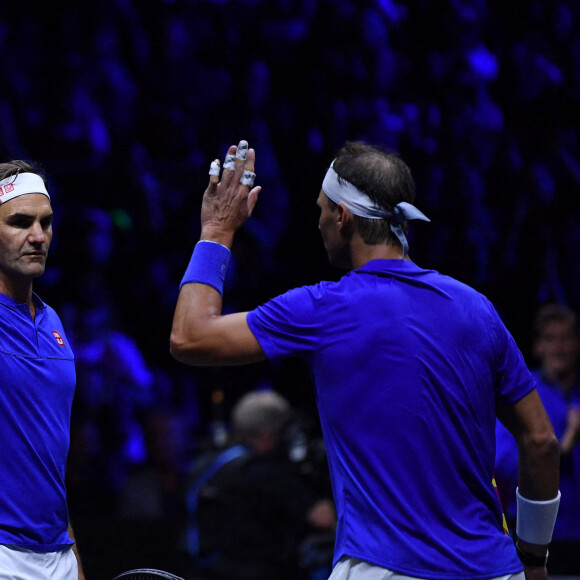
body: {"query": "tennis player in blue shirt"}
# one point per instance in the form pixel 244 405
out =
pixel 410 369
pixel 37 382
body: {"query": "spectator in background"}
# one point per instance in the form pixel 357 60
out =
pixel 557 348
pixel 248 509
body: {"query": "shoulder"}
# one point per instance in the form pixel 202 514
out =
pixel 298 299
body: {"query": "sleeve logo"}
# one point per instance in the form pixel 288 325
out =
pixel 58 337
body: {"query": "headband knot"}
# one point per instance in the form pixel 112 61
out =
pixel 398 216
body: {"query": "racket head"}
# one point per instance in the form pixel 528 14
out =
pixel 146 574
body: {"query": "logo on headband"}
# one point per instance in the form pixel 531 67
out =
pixel 6 189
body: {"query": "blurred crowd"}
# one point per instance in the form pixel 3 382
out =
pixel 125 104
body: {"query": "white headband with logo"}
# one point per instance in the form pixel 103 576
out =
pixel 362 205
pixel 24 183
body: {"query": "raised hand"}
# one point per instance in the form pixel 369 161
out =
pixel 228 202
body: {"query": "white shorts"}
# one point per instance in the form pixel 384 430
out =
pixel 354 569
pixel 21 564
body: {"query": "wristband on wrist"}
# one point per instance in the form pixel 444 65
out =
pixel 536 519
pixel 530 559
pixel 208 265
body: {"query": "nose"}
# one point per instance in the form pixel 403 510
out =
pixel 36 234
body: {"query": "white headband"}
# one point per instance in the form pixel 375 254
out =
pixel 352 198
pixel 23 183
pixel 362 205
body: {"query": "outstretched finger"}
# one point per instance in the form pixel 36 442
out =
pixel 229 164
pixel 250 160
pixel 248 176
pixel 241 154
pixel 214 176
pixel 253 199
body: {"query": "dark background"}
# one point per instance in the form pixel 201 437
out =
pixel 126 102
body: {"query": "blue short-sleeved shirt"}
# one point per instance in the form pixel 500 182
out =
pixel 408 367
pixel 37 381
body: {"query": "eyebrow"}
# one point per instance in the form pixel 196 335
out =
pixel 20 215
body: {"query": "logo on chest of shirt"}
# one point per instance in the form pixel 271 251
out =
pixel 58 337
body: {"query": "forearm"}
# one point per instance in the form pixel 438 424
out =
pixel 538 480
pixel 537 489
pixel 538 476
pixel 199 304
pixel 538 447
pixel 538 468
pixel 198 307
pixel 202 336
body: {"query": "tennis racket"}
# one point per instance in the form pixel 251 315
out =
pixel 146 574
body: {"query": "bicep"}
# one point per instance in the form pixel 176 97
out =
pixel 234 342
pixel 202 336
pixel 225 340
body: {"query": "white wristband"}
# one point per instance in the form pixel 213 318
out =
pixel 536 519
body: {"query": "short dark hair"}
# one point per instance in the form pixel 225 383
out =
pixel 384 177
pixel 17 166
pixel 554 313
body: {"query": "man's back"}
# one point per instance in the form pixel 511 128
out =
pixel 406 364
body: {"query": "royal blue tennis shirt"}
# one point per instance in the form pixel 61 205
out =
pixel 37 381
pixel 408 366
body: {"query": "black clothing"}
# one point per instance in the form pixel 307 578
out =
pixel 251 517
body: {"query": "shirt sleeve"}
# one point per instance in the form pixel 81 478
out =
pixel 290 324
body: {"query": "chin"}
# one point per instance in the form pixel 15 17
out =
pixel 36 272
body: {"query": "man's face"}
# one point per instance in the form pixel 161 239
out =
pixel 558 347
pixel 25 235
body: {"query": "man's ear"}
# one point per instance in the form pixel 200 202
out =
pixel 344 220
